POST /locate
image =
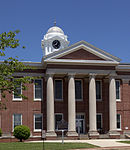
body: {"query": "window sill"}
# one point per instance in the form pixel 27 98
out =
pixel 99 100
pixel 118 100
pixel 37 99
pixel 59 100
pixel 38 130
pixel 79 100
pixel 119 129
pixel 17 100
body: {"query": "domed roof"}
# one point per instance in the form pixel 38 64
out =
pixel 55 29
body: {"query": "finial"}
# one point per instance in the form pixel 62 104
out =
pixel 55 23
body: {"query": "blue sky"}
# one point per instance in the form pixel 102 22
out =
pixel 103 23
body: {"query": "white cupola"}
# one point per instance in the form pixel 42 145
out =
pixel 54 40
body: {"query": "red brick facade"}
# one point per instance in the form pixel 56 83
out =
pixel 30 107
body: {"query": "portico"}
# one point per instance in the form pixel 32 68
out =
pixel 91 80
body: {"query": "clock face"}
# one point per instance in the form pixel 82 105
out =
pixel 56 44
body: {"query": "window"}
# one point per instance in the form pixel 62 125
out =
pixel 58 118
pixel 118 121
pixel 99 121
pixel 38 89
pixel 118 90
pixel 17 120
pixel 98 90
pixel 18 92
pixel 78 89
pixel 37 122
pixel 58 90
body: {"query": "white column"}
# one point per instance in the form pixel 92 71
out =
pixel 112 106
pixel 71 107
pixel 92 106
pixel 50 107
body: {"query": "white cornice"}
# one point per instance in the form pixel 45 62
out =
pixel 88 47
pixel 81 62
pixel 80 71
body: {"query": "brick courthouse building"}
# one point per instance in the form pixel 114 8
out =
pixel 81 85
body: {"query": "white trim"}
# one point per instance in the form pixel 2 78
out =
pixel 38 99
pixel 55 118
pixel 82 119
pixel 84 45
pixel 80 62
pixel 101 119
pixel 119 100
pixel 119 129
pixel 13 119
pixel 37 130
pixel 81 90
pixel 100 89
pixel 62 90
pixel 18 99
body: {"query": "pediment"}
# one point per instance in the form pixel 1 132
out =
pixel 81 52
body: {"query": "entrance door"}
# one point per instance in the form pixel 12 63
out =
pixel 80 123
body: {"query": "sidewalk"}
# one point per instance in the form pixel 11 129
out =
pixel 104 144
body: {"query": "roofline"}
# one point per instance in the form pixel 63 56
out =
pixel 85 43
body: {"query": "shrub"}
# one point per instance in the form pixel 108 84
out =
pixel 21 132
pixel 0 132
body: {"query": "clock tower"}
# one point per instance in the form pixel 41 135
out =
pixel 54 40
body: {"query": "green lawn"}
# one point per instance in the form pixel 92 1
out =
pixel 39 146
pixel 127 142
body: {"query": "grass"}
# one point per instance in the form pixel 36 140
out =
pixel 127 142
pixel 39 146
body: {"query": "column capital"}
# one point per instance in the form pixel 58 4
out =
pixel 71 75
pixel 92 75
pixel 112 76
pixel 49 75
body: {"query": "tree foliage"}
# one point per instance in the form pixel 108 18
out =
pixel 21 132
pixel 10 66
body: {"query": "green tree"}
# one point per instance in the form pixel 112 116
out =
pixel 21 132
pixel 9 66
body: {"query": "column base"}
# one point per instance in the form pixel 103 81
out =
pixel 72 134
pixel 51 135
pixel 113 134
pixel 93 134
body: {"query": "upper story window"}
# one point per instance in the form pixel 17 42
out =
pixel 18 92
pixel 78 89
pixel 38 89
pixel 98 90
pixel 118 90
pixel 37 122
pixel 17 120
pixel 58 89
pixel 118 121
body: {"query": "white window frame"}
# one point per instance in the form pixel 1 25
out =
pixel 101 119
pixel 38 99
pixel 62 90
pixel 18 99
pixel 118 100
pixel 81 90
pixel 119 129
pixel 13 119
pixel 37 130
pixel 84 120
pixel 55 118
pixel 100 89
